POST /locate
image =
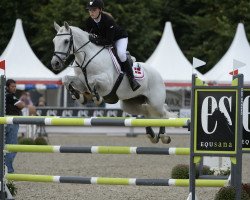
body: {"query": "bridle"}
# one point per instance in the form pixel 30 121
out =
pixel 67 54
pixel 57 53
pixel 71 46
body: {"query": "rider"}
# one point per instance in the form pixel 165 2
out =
pixel 105 31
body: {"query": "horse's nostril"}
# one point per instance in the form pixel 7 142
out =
pixel 57 63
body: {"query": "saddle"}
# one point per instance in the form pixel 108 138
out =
pixel 137 69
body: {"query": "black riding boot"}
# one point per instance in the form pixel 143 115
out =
pixel 129 71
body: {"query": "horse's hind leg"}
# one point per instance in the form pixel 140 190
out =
pixel 162 134
pixel 158 109
pixel 154 137
pixel 162 130
pixel 137 108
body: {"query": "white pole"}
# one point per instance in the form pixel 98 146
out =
pixel 65 97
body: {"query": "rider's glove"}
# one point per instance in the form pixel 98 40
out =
pixel 93 38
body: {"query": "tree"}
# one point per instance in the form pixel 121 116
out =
pixel 9 12
pixel 205 29
pixel 59 11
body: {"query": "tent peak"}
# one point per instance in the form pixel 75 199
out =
pixel 21 61
pixel 238 50
pixel 169 60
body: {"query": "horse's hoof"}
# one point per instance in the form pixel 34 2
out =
pixel 97 102
pixel 154 140
pixel 165 139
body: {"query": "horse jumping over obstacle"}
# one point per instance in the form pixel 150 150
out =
pixel 96 76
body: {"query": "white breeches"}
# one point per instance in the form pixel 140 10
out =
pixel 121 47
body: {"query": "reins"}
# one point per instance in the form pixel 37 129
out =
pixel 84 69
pixel 82 66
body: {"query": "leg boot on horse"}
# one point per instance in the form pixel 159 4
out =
pixel 129 71
pixel 76 95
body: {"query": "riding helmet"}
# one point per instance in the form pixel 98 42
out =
pixel 95 4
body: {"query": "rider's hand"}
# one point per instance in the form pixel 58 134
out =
pixel 93 38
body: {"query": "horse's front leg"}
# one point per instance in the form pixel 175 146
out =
pixel 100 85
pixel 76 89
pixel 97 98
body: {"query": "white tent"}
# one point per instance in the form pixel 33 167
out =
pixel 22 64
pixel 239 50
pixel 169 60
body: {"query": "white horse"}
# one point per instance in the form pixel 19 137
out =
pixel 96 76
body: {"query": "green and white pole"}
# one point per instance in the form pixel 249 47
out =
pixel 127 122
pixel 114 181
pixel 97 149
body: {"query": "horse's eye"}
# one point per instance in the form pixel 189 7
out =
pixel 66 41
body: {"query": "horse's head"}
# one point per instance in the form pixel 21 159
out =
pixel 63 43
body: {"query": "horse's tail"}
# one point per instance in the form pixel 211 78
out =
pixel 168 113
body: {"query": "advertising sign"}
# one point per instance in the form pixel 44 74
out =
pixel 215 128
pixel 81 112
pixel 246 120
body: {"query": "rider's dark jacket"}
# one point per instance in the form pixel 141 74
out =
pixel 107 30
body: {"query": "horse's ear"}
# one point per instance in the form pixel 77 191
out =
pixel 66 25
pixel 57 27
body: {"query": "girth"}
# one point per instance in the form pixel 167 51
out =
pixel 112 97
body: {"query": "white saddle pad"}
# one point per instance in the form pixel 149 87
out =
pixel 137 69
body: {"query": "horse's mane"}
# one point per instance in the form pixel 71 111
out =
pixel 77 29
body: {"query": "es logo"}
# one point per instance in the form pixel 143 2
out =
pixel 210 105
pixel 224 104
pixel 246 113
